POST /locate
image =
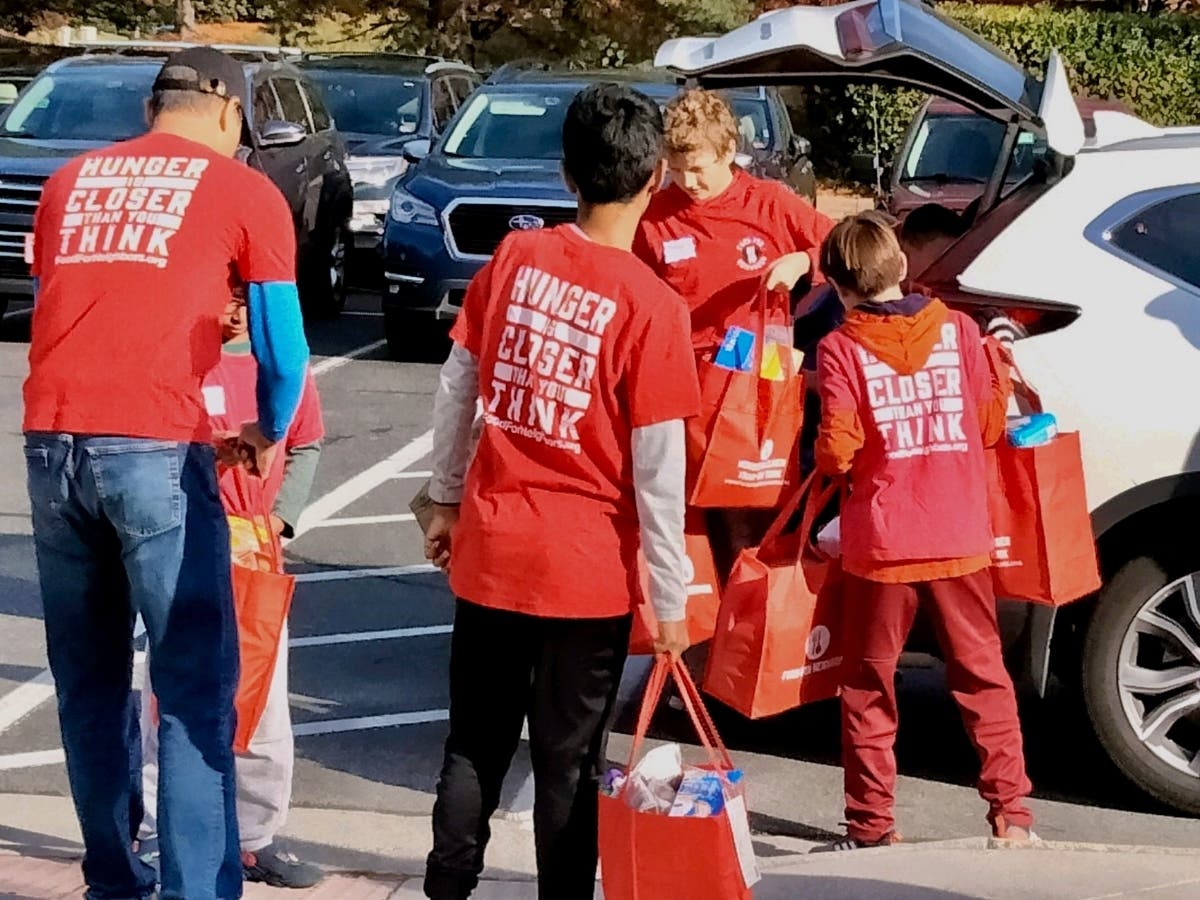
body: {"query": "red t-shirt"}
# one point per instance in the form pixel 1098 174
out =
pixel 919 483
pixel 136 247
pixel 716 253
pixel 578 344
pixel 231 401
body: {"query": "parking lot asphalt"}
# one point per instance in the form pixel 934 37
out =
pixel 370 637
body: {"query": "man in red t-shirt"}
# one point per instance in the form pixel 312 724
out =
pixel 134 249
pixel 261 511
pixel 583 364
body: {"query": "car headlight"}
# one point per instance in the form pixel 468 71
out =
pixel 408 210
pixel 375 171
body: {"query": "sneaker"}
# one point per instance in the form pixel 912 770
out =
pixel 850 843
pixel 274 866
pixel 1012 835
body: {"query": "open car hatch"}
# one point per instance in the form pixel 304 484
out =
pixel 900 42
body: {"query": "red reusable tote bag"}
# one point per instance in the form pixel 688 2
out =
pixel 1045 549
pixel 262 598
pixel 778 640
pixel 704 592
pixel 743 448
pixel 651 856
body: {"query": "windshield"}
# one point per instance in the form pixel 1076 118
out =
pixel 964 148
pixel 503 124
pixel 370 103
pixel 83 104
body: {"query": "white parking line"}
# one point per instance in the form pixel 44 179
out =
pixel 358 637
pixel 20 702
pixel 336 726
pixel 32 760
pixel 380 572
pixel 414 474
pixel 366 520
pixel 336 362
pixel 363 483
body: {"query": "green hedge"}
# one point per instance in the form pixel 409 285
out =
pixel 1152 63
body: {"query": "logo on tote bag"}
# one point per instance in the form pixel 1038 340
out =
pixel 768 471
pixel 818 642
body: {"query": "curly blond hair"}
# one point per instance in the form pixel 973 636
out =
pixel 700 120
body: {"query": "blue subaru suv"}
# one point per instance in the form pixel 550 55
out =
pixel 496 169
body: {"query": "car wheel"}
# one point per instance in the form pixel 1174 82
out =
pixel 1141 677
pixel 323 288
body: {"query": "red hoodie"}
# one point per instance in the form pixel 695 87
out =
pixel 908 405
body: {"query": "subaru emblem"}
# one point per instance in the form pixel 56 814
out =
pixel 526 222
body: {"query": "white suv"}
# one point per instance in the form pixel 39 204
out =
pixel 1097 252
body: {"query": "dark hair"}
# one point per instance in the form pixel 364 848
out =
pixel 182 102
pixel 612 142
pixel 931 221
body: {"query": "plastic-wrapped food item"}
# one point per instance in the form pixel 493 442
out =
pixel 701 794
pixel 653 783
pixel 1032 431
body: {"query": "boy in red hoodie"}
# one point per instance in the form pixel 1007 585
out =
pixel 908 405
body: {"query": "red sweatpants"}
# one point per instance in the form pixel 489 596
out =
pixel 878 618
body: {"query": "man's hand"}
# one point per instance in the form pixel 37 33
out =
pixel 256 450
pixel 226 445
pixel 787 271
pixel 673 638
pixel 437 536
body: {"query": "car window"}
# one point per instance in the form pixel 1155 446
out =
pixel 753 118
pixel 369 102
pixel 266 106
pixel 83 104
pixel 1165 236
pixel 291 102
pixel 954 148
pixel 513 125
pixel 443 103
pixel 462 88
pixel 316 108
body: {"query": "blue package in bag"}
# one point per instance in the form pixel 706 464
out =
pixel 1032 431
pixel 737 350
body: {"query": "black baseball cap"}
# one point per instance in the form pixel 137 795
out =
pixel 205 71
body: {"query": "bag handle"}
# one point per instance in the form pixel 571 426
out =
pixel 813 501
pixel 664 665
pixel 997 355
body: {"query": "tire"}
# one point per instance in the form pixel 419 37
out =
pixel 323 285
pixel 414 337
pixel 1143 584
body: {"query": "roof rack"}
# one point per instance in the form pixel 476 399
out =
pixel 512 69
pixel 263 52
pixel 384 54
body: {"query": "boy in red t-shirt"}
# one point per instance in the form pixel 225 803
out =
pixel 583 363
pixel 264 772
pixel 908 404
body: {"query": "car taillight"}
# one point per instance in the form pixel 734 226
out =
pixel 1033 316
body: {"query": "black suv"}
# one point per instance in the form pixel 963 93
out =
pixel 497 169
pixel 380 102
pixel 98 98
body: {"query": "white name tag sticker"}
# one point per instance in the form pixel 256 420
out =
pixel 214 400
pixel 679 250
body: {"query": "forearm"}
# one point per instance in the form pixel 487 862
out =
pixel 299 472
pixel 453 415
pixel 280 348
pixel 838 442
pixel 658 478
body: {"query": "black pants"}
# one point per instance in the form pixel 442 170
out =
pixel 561 673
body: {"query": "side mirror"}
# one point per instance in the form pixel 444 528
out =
pixel 801 146
pixel 280 134
pixel 415 151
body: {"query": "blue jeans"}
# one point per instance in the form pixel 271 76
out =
pixel 125 526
